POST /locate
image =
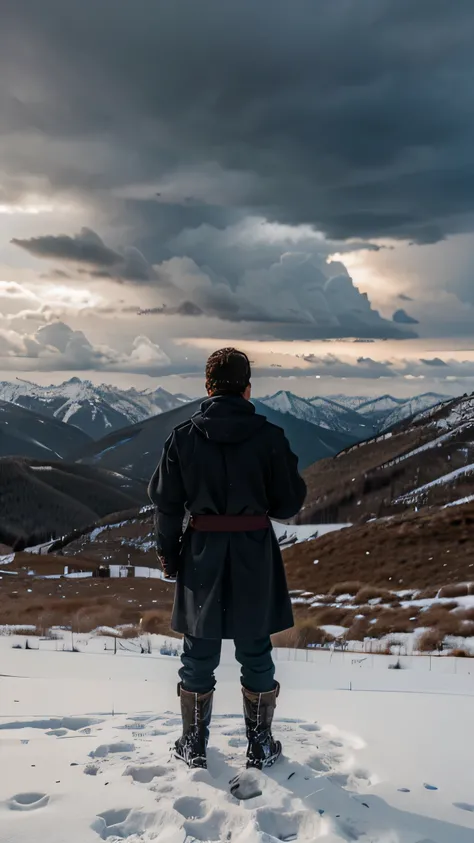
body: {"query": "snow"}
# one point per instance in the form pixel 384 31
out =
pixel 384 403
pixel 73 407
pixel 462 411
pixel 288 534
pixel 334 629
pixel 426 447
pixel 446 478
pixel 85 738
pixel 7 559
pixel 460 501
pixel 320 411
pixel 65 400
pixel 413 406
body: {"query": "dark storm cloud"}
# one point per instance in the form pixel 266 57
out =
pixel 355 116
pixel 404 318
pixel 58 274
pixel 337 368
pixel 85 247
pixel 88 248
pixel 435 361
pixel 186 308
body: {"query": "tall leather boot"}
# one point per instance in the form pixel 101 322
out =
pixel 263 750
pixel 196 711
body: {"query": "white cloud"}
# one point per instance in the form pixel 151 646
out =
pixel 55 346
pixel 144 352
pixel 13 290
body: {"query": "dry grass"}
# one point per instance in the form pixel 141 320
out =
pixel 428 593
pixel 131 632
pixel 156 621
pixel 359 630
pixel 393 620
pixel 329 615
pixel 420 551
pixel 301 636
pixel 84 604
pixel 465 614
pixel 459 589
pixel 349 587
pixel 430 640
pixel 90 617
pixel 439 615
pixel 371 592
pixel 449 621
pixel 461 654
pixel 467 630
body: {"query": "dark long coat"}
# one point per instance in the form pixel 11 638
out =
pixel 226 459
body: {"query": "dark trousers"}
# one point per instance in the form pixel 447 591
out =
pixel 201 657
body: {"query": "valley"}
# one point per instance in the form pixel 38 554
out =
pixel 381 548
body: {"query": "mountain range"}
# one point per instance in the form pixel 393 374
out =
pixel 96 410
pixel 426 460
pixel 135 450
pixel 25 433
pixel 100 410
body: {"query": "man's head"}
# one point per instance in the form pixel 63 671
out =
pixel 228 373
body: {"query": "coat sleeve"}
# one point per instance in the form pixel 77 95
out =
pixel 166 491
pixel 287 488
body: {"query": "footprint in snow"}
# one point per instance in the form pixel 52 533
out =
pixel 145 774
pixel 120 823
pixel 236 743
pixel 104 749
pixel 288 825
pixel 319 764
pixel 191 807
pixel 28 801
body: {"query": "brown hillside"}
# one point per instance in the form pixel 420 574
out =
pixel 44 500
pixel 86 604
pixel 368 480
pixel 423 551
pixel 417 550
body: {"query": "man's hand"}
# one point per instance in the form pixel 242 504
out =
pixel 168 569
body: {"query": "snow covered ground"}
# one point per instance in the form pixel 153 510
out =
pixel 84 743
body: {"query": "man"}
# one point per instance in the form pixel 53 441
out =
pixel 229 470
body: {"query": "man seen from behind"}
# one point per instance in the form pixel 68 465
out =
pixel 222 475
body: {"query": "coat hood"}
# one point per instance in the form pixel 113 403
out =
pixel 227 419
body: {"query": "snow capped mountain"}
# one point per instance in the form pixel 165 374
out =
pixel 413 406
pixel 357 416
pixel 337 417
pixel 286 402
pixel 382 404
pixel 351 402
pixel 321 411
pixel 97 410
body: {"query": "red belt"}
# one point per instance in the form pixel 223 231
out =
pixel 229 523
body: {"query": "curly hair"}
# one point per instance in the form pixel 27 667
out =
pixel 228 372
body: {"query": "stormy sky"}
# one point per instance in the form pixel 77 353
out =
pixel 295 178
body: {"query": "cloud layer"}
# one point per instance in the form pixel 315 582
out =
pixel 56 347
pixel 214 156
pixel 355 118
pixel 297 296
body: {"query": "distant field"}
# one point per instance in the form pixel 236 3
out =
pixel 357 584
